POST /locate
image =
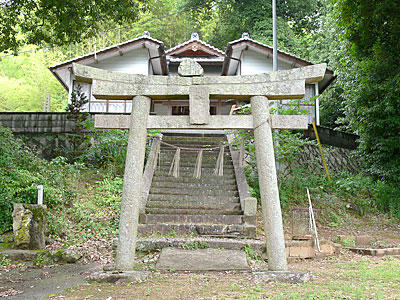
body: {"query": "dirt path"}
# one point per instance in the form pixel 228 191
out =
pixel 36 283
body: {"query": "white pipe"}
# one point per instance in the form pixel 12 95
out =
pixel 274 39
pixel 40 194
pixel 317 104
pixel 275 68
pixel 313 220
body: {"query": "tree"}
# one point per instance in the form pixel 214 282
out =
pixel 58 22
pixel 25 80
pixel 368 67
pixel 294 17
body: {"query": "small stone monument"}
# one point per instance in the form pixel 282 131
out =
pixel 29 224
pixel 189 68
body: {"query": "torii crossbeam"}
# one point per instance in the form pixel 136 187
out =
pixel 258 89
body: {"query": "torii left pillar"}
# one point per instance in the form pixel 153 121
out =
pixel 132 188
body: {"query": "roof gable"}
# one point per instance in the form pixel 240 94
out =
pixel 194 48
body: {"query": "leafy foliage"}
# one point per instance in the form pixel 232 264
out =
pixel 368 66
pixel 104 149
pixel 59 22
pixel 25 80
pixel 21 170
pixel 255 17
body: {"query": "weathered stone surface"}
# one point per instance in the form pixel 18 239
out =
pixel 329 248
pixel 71 256
pixel 45 257
pixel 214 122
pixel 310 74
pixel 294 122
pixel 281 276
pixel 199 105
pixel 29 224
pixel 149 172
pixel 363 240
pixel 189 67
pixel 147 244
pixel 375 252
pixel 221 230
pixel 275 242
pixel 300 249
pixel 292 89
pixel 19 254
pixel 112 277
pixel 250 206
pixel 202 260
pixel 133 183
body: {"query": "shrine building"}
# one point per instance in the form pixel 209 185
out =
pixel 147 56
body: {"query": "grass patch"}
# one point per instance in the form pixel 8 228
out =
pixel 344 278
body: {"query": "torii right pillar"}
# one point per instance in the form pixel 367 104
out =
pixel 271 207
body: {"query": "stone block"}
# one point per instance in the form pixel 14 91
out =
pixel 250 206
pixel 328 248
pixel 199 105
pixel 19 254
pixel 29 222
pixel 202 260
pixel 115 276
pixel 363 240
pixel 189 67
pixel 281 276
pixel 301 249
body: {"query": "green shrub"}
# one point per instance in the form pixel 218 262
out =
pixel 21 170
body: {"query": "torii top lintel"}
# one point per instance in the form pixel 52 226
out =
pixel 285 84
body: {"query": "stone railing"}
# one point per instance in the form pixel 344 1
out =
pixel 248 204
pixel 148 173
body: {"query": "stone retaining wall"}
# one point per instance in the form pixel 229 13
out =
pixel 51 132
pixel 38 122
pixel 337 159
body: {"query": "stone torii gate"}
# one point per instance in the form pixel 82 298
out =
pixel 286 84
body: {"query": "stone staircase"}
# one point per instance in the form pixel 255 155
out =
pixel 186 206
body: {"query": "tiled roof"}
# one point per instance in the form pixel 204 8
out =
pixel 194 38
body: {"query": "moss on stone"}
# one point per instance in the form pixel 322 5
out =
pixel 22 233
pixel 4 246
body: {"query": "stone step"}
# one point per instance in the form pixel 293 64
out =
pixel 193 205
pixel 190 170
pixel 187 138
pixel 192 211
pixel 201 186
pixel 191 164
pixel 192 153
pixel 193 191
pixel 154 243
pixel 203 180
pixel 193 198
pixel 192 147
pixel 193 219
pixel 187 174
pixel 212 230
pixel 200 260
